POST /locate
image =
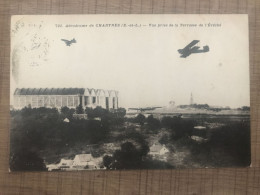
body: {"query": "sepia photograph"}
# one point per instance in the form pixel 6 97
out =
pixel 129 92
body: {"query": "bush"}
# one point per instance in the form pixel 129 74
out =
pixel 96 112
pixel 153 123
pixel 164 139
pixel 79 109
pixel 228 146
pixel 128 157
pixel 108 161
pixel 136 138
pixel 140 119
pixel 179 127
pixel 67 112
pixel 119 113
pixel 26 161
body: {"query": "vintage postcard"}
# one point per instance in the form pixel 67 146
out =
pixel 114 92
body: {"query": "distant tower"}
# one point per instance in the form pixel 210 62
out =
pixel 191 99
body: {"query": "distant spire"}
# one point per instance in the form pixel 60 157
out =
pixel 191 99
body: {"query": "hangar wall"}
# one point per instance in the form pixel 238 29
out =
pixel 60 97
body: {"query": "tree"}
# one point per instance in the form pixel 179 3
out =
pixel 140 119
pixel 128 157
pixel 89 112
pixel 100 112
pixel 153 123
pixel 120 112
pixel 166 121
pixel 245 108
pixel 132 152
pixel 64 110
pixel 67 112
pixel 26 161
pixel 108 161
pixel 179 127
pixel 164 139
pixel 137 138
pixel 96 112
pixel 79 109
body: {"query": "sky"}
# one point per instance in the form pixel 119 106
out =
pixel 141 61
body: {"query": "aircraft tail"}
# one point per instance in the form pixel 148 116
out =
pixel 206 48
pixel 180 51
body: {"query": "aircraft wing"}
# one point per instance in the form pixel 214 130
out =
pixel 191 44
pixel 150 108
pixel 185 55
pixel 133 108
pixel 197 50
pixel 66 41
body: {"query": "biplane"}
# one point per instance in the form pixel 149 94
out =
pixel 68 43
pixel 191 48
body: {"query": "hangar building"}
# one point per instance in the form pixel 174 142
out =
pixel 70 97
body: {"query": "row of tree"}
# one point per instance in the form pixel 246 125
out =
pixel 178 127
pixel 97 111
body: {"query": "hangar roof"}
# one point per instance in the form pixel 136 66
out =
pixel 49 91
pixel 53 91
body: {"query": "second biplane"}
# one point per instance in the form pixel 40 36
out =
pixel 191 48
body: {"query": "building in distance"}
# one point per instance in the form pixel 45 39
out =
pixel 61 97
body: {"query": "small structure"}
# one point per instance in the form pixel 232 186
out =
pixel 52 167
pixel 198 139
pixel 65 163
pixel 200 131
pixel 158 149
pixel 80 162
pixel 199 127
pixel 86 161
pixel 66 120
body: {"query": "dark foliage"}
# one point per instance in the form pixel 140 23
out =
pixel 129 157
pixel 153 123
pixel 120 112
pixel 197 106
pixel 235 140
pixel 108 161
pixel 43 130
pixel 136 138
pixel 164 139
pixel 179 127
pixel 108 118
pixel 140 119
pixel 96 112
pixel 156 164
pixel 228 145
pixel 79 109
pixel 133 154
pixel 26 161
pixel 244 108
pixel 205 107
pixel 67 112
